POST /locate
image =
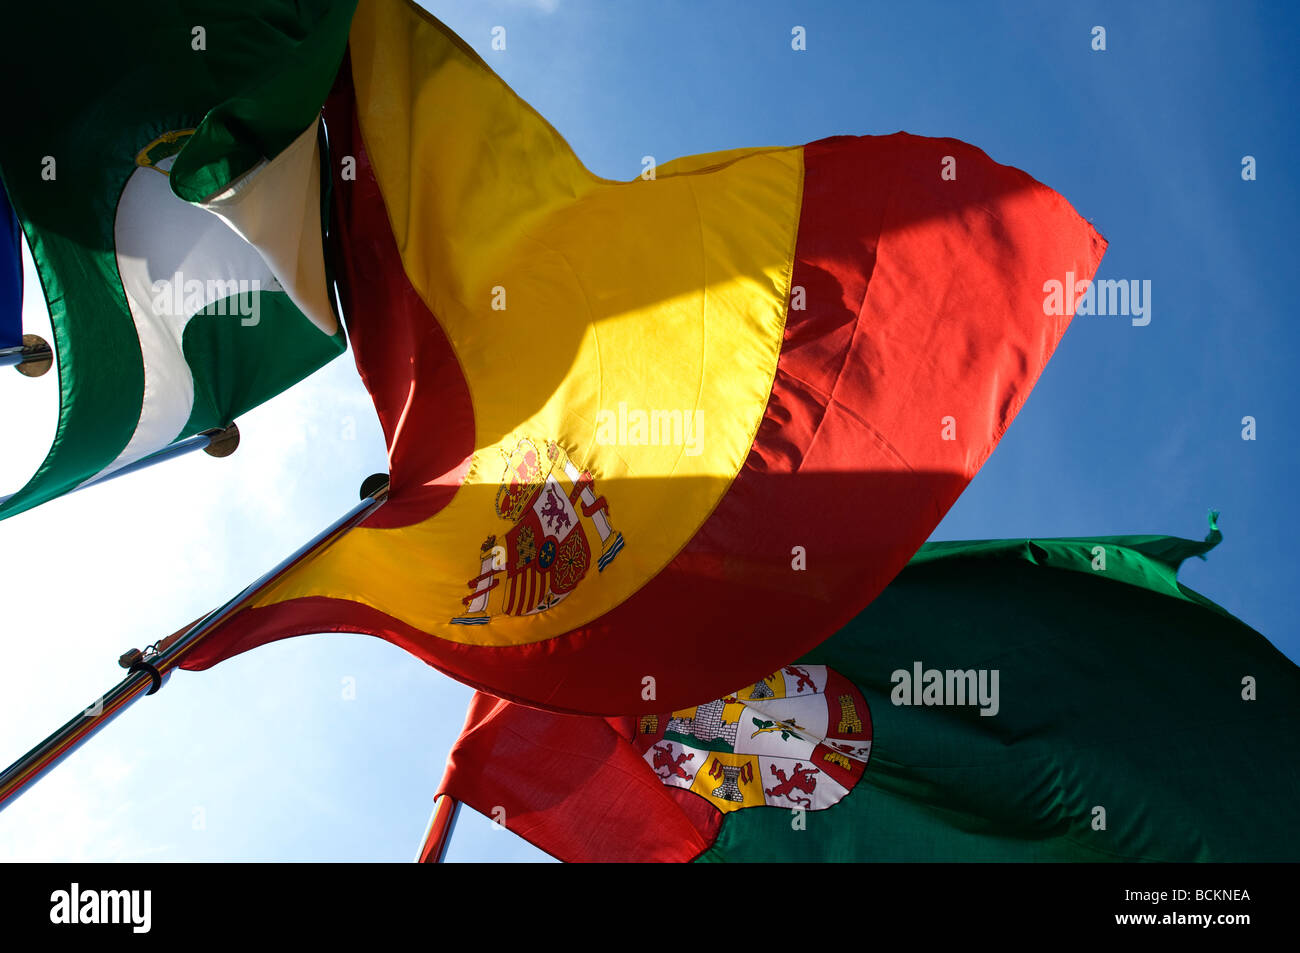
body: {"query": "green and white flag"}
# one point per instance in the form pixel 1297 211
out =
pixel 164 159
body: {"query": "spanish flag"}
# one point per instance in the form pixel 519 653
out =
pixel 650 440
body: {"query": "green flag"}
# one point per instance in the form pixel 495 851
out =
pixel 164 161
pixel 1049 700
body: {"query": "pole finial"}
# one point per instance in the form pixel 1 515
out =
pixel 373 484
pixel 224 442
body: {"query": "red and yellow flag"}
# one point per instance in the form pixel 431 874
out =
pixel 650 440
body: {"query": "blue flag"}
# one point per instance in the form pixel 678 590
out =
pixel 11 276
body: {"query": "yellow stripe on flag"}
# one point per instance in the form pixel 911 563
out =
pixel 612 299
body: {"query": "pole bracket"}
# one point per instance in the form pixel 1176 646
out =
pixel 140 665
pixel 137 661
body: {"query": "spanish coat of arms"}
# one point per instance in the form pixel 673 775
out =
pixel 545 553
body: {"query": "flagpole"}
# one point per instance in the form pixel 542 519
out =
pixel 437 836
pixel 150 669
pixel 216 443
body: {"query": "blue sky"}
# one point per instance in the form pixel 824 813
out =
pixel 1130 430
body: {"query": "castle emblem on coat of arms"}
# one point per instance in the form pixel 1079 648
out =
pixel 545 553
pixel 799 738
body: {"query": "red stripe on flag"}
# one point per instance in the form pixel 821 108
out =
pixel 414 375
pixel 546 777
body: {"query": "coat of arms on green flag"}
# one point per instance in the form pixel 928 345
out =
pixel 799 738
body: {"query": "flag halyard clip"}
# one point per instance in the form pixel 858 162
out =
pixel 133 660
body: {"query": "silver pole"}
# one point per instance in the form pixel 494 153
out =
pixel 151 668
pixel 218 443
pixel 12 355
pixel 33 357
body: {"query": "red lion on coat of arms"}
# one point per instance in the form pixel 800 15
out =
pixel 664 759
pixel 800 779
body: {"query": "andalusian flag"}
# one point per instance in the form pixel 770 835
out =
pixel 650 439
pixel 1057 699
pixel 164 160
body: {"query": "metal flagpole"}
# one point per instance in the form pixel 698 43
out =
pixel 215 443
pixel 32 358
pixel 442 822
pixel 151 668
